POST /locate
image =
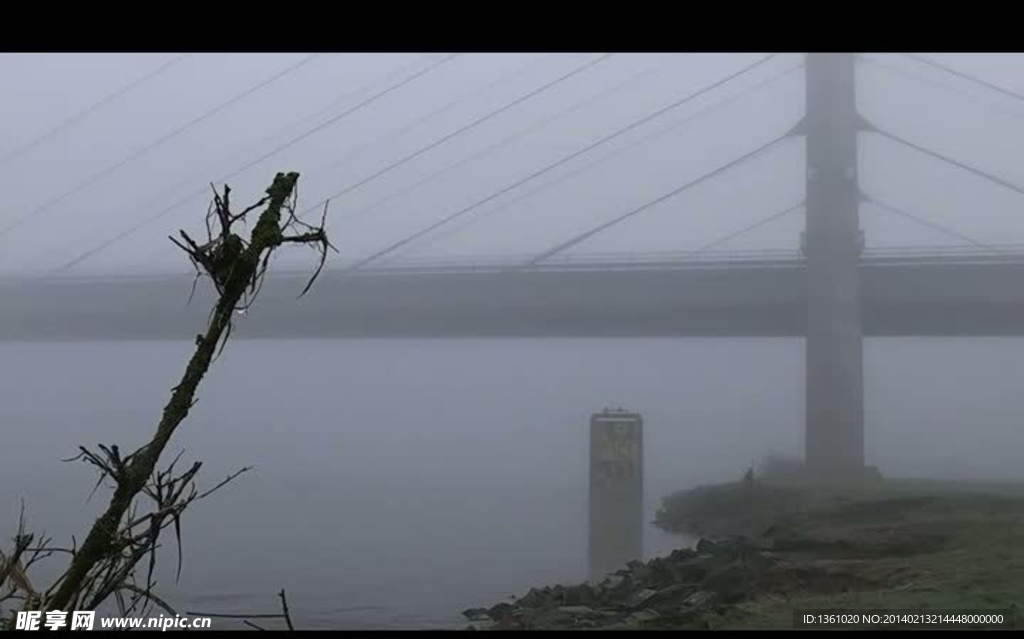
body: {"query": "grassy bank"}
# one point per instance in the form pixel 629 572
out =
pixel 885 544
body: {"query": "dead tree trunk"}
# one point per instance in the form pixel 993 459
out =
pixel 236 267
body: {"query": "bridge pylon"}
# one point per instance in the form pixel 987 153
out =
pixel 834 435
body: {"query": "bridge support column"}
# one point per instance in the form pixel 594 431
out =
pixel 616 491
pixel 834 439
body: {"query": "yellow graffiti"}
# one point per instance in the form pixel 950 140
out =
pixel 617 444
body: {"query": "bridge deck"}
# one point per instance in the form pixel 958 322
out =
pixel 908 295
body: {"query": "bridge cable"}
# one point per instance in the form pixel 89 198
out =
pixel 257 143
pixel 418 121
pixel 500 143
pixel 460 130
pixel 964 76
pixel 434 144
pixel 341 99
pixel 557 163
pixel 159 214
pixel 34 214
pixel 311 117
pixel 933 225
pixel 948 160
pixel 503 78
pixel 387 136
pixel 92 108
pixel 278 134
pixel 743 231
pixel 966 95
pixel 605 225
pixel 622 149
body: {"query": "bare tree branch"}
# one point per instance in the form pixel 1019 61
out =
pixel 105 564
pixel 284 606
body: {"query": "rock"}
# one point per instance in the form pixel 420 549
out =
pixel 500 611
pixel 682 553
pixel 642 616
pixel 582 595
pixel 637 599
pixel 533 598
pixel 666 595
pixel 640 572
pixel 731 583
pixel 690 570
pixel 611 583
pixel 552 619
pixel 577 611
pixel 645 594
pixel 619 589
pixel 687 583
pixel 476 614
pixel 699 598
pixel 536 619
pixel 661 571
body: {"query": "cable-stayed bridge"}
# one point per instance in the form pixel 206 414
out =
pixel 834 290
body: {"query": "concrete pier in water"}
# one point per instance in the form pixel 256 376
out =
pixel 616 491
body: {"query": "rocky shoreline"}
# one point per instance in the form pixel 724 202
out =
pixel 682 589
pixel 766 549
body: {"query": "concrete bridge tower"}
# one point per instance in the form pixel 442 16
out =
pixel 834 437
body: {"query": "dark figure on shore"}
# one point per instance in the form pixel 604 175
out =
pixel 748 479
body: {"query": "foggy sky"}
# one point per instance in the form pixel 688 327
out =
pixel 974 125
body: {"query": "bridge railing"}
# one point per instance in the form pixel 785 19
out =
pixel 953 254
pixel 932 255
pixel 583 260
pixel 759 258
